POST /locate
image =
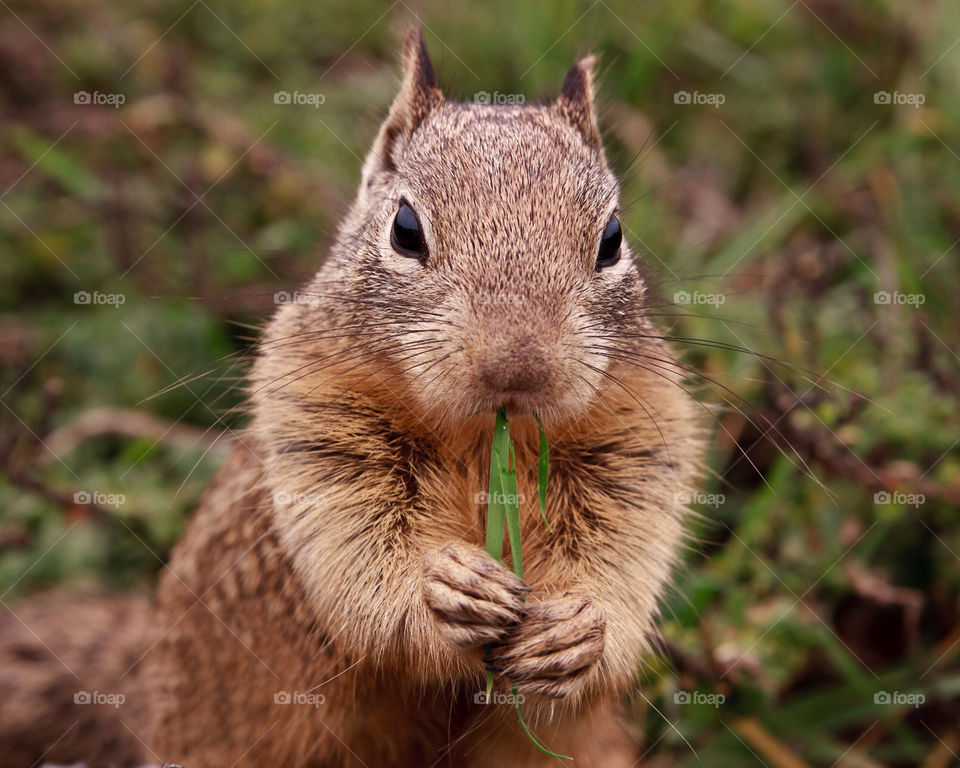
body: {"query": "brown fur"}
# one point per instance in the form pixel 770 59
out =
pixel 340 551
pixel 53 647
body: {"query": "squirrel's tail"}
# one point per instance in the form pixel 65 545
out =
pixel 68 671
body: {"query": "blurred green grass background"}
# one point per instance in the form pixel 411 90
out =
pixel 804 602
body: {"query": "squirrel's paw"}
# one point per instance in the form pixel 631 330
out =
pixel 475 599
pixel 555 648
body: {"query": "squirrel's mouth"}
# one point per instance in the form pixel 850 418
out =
pixel 522 372
pixel 524 390
pixel 521 378
pixel 519 401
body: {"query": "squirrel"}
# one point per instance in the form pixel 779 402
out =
pixel 331 602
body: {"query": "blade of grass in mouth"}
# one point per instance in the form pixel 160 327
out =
pixel 543 474
pixel 503 508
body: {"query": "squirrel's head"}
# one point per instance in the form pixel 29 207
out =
pixel 484 247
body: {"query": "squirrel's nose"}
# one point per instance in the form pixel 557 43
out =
pixel 521 369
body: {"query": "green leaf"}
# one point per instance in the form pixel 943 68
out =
pixel 496 510
pixel 503 507
pixel 526 730
pixel 543 473
pixel 59 164
pixel 512 501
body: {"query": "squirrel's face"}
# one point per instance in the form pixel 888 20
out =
pixel 490 240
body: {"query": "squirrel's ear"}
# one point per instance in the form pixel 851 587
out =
pixel 418 96
pixel 575 102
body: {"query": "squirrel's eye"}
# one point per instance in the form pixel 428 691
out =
pixel 406 236
pixel 609 253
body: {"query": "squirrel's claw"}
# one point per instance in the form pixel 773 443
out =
pixel 556 646
pixel 474 599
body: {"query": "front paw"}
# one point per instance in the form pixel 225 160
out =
pixel 475 599
pixel 553 651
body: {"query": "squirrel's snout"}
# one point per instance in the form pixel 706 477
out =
pixel 521 371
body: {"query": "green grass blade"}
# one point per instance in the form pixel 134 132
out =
pixel 543 473
pixel 526 730
pixel 496 509
pixel 513 514
pixel 503 509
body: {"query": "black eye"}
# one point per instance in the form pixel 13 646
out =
pixel 609 253
pixel 406 236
